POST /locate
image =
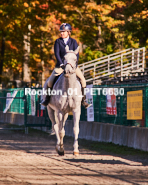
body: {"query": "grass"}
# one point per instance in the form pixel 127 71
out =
pixel 21 129
pixel 101 147
pixel 111 148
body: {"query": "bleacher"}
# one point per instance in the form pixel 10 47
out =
pixel 136 77
pixel 127 66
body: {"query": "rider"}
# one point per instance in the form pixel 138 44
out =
pixel 59 50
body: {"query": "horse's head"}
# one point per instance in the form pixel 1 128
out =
pixel 70 61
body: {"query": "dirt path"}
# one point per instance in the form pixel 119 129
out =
pixel 32 160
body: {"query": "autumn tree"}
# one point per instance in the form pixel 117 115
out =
pixel 101 27
pixel 9 22
pixel 136 23
pixel 15 27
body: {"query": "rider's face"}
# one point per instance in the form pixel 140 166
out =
pixel 64 34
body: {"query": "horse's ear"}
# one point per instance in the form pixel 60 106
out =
pixel 67 48
pixel 77 50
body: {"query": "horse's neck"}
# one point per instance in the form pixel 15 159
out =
pixel 70 82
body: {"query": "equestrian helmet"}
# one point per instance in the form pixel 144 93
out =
pixel 65 27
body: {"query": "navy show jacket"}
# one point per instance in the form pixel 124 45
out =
pixel 59 49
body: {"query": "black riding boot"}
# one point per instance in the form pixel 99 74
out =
pixel 46 101
pixel 84 101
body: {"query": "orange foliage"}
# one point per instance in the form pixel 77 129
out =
pixel 11 46
pixel 26 5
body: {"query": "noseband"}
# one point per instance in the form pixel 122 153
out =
pixel 70 63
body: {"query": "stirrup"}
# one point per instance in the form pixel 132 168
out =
pixel 85 104
pixel 46 101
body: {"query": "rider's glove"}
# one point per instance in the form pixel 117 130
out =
pixel 62 66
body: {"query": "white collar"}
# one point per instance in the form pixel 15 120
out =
pixel 66 40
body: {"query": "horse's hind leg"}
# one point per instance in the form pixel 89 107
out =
pixel 76 118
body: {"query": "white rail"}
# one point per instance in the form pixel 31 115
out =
pixel 117 64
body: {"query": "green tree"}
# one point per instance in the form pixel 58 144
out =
pixel 136 23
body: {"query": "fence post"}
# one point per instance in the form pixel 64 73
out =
pixel 138 56
pixel 25 113
pixel 121 64
pixel 121 110
pixel 146 106
pixel 143 58
pixel 94 70
pixel 108 65
pixel 132 59
pixel 99 118
pixel 96 102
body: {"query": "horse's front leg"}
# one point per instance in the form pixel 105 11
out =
pixel 56 128
pixel 76 119
pixel 52 118
pixel 62 130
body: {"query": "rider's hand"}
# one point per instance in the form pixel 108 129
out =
pixel 62 66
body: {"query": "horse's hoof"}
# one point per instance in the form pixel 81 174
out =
pixel 56 149
pixel 76 153
pixel 61 153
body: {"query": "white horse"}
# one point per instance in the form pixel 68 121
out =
pixel 68 98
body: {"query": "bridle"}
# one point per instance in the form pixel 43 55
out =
pixel 70 63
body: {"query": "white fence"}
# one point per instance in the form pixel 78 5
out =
pixel 114 65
